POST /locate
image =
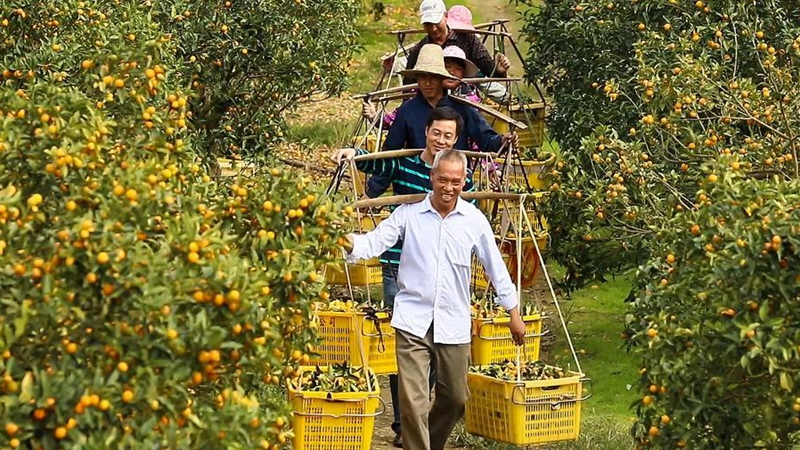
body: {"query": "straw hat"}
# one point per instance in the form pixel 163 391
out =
pixel 459 18
pixel 454 51
pixel 430 61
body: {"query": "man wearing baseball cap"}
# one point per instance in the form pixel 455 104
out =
pixel 433 17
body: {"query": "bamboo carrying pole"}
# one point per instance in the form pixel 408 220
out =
pixel 416 198
pixel 491 111
pixel 422 31
pixel 386 154
pixel 387 91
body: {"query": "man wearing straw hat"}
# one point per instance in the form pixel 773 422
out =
pixel 441 26
pixel 408 128
pixel 432 307
pixel 431 74
pixel 457 65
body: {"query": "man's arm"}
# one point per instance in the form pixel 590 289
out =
pixel 377 241
pixel 385 167
pixel 494 266
pixel 489 255
pixel 479 130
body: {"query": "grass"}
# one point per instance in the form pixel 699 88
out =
pixel 317 133
pixel 377 40
pixel 594 318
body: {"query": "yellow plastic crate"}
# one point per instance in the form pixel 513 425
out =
pixel 325 421
pixel 524 413
pixel 492 342
pixel 343 335
pixel 362 273
pixel 536 172
pixel 370 221
pixel 531 114
pixel 508 249
pixel 369 142
pixel 233 168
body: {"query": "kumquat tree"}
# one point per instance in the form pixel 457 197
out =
pixel 677 122
pixel 146 304
pixel 250 61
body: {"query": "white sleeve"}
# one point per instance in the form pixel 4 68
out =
pixel 489 255
pixel 383 237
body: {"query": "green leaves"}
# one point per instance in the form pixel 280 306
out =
pixel 745 317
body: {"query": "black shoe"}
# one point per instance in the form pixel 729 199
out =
pixel 398 441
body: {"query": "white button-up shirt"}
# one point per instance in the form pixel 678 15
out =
pixel 435 267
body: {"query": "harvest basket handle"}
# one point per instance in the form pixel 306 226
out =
pixel 554 405
pixel 372 317
pixel 489 338
pixel 337 416
pixel 380 332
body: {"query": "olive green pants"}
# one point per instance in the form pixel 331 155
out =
pixel 427 427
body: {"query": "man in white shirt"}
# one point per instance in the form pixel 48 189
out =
pixel 432 307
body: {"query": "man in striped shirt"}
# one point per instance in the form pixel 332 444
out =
pixel 409 175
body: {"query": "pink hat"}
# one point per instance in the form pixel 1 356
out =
pixel 454 51
pixel 459 18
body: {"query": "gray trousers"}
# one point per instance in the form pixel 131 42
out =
pixel 427 427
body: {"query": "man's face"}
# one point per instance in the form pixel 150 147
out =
pixel 437 31
pixel 455 69
pixel 448 181
pixel 441 135
pixel 430 85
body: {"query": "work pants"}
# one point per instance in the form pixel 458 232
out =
pixel 427 427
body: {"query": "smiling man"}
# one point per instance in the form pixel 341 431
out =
pixel 432 306
pixel 408 175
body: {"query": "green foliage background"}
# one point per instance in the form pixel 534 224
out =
pixel 676 122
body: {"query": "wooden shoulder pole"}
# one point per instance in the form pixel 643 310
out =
pixel 491 111
pixel 416 198
pixel 402 153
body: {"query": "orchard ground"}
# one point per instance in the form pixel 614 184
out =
pixel 594 314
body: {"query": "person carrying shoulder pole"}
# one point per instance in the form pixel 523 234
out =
pixel 408 175
pixel 432 306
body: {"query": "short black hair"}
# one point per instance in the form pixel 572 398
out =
pixel 446 113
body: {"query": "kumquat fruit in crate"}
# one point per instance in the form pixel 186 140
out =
pixel 543 406
pixel 492 342
pixel 334 407
pixel 347 331
pixel 484 307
